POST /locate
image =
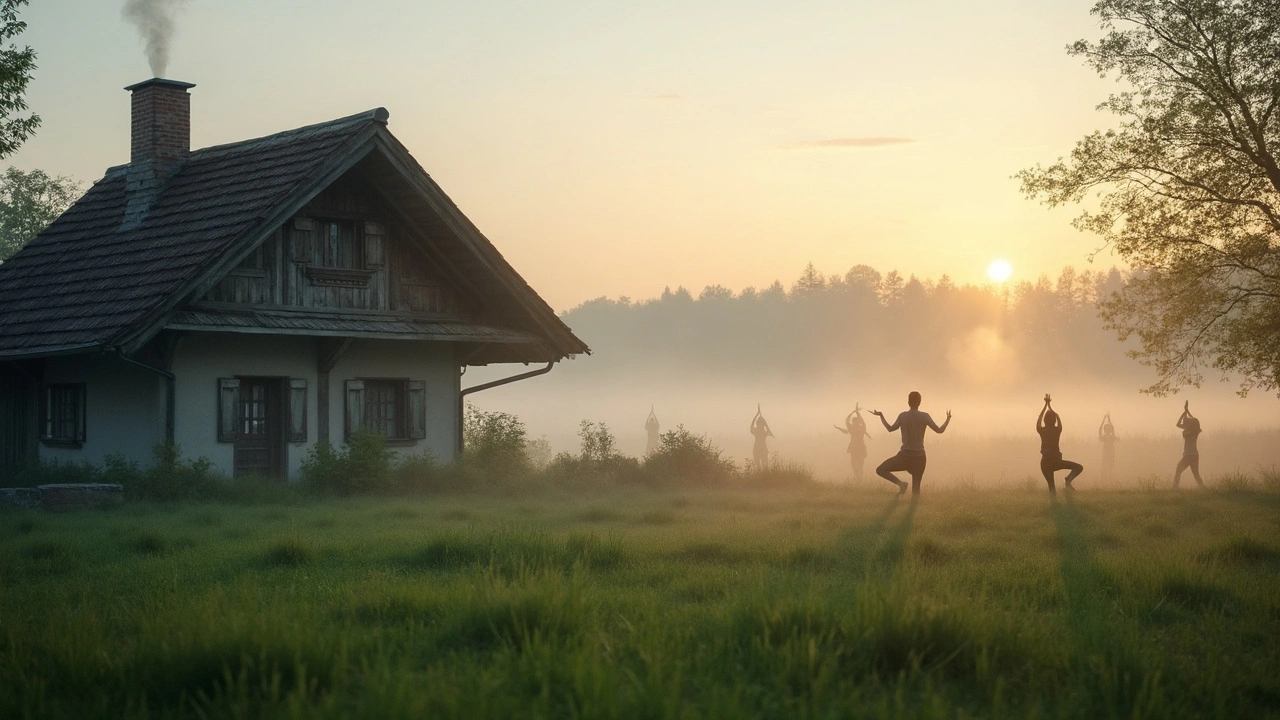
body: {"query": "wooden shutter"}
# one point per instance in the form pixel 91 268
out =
pixel 417 409
pixel 297 410
pixel 375 244
pixel 302 240
pixel 81 411
pixel 355 406
pixel 228 407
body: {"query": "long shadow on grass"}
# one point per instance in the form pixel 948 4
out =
pixel 1109 671
pixel 1080 576
pixel 867 551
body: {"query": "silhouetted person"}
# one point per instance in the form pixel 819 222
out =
pixel 760 452
pixel 651 427
pixel 1190 454
pixel 911 457
pixel 856 428
pixel 1049 425
pixel 1107 436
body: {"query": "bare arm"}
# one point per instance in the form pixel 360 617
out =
pixel 1040 420
pixel 887 426
pixel 945 423
pixel 846 432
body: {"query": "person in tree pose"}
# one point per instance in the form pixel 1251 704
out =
pixel 760 429
pixel 1107 436
pixel 651 427
pixel 1049 425
pixel 1190 454
pixel 911 457
pixel 856 428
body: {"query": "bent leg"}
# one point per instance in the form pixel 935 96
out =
pixel 886 468
pixel 1075 468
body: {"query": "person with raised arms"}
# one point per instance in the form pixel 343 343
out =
pixel 1049 426
pixel 911 457
pixel 856 428
pixel 651 427
pixel 760 451
pixel 1107 436
pixel 1190 427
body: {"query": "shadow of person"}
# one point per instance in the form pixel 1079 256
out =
pixel 889 555
pixel 860 542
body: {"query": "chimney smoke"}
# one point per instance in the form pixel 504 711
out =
pixel 154 20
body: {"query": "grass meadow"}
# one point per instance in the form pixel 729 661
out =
pixel 816 602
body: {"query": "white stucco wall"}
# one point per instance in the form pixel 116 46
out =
pixel 433 363
pixel 202 358
pixel 124 408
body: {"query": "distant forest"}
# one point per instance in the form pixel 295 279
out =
pixel 864 323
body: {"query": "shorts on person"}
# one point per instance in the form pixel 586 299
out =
pixel 905 462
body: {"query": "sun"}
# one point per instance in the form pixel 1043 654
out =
pixel 999 270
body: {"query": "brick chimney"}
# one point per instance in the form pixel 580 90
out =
pixel 160 135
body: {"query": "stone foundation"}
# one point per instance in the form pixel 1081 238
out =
pixel 20 497
pixel 80 496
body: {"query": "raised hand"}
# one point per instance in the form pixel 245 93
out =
pixel 948 414
pixel 877 413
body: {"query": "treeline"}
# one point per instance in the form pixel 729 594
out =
pixel 863 322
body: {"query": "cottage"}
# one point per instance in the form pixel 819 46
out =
pixel 249 300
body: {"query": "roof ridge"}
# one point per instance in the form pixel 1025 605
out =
pixel 378 115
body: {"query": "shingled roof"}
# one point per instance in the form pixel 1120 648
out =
pixel 91 282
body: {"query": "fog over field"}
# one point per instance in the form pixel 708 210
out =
pixel 808 354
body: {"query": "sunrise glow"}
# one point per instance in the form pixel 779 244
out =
pixel 999 270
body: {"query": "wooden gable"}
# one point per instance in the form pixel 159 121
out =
pixel 343 251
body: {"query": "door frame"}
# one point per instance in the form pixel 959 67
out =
pixel 275 415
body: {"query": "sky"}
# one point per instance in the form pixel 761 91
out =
pixel 617 148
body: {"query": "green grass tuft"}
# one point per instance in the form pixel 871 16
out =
pixel 291 552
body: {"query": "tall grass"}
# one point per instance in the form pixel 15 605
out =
pixel 799 601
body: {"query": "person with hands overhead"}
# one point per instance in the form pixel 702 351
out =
pixel 856 428
pixel 1049 426
pixel 760 451
pixel 1190 427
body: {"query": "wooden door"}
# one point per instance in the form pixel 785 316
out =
pixel 16 431
pixel 259 445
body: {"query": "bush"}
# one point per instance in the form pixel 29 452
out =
pixel 685 457
pixel 494 445
pixel 781 473
pixel 170 478
pixel 363 464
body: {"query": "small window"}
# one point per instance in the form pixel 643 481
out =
pixel 393 408
pixel 339 246
pixel 62 415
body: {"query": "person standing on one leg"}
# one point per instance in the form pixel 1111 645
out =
pixel 1049 425
pixel 911 457
pixel 1190 427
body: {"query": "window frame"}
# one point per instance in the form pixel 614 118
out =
pixel 49 419
pixel 410 407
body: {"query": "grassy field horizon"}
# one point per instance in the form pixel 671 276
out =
pixel 816 601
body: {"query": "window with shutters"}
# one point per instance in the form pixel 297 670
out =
pixel 395 408
pixel 62 416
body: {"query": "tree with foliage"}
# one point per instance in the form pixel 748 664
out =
pixel 16 65
pixel 1187 184
pixel 29 201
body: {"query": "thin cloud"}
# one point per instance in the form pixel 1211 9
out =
pixel 851 142
pixel 668 96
